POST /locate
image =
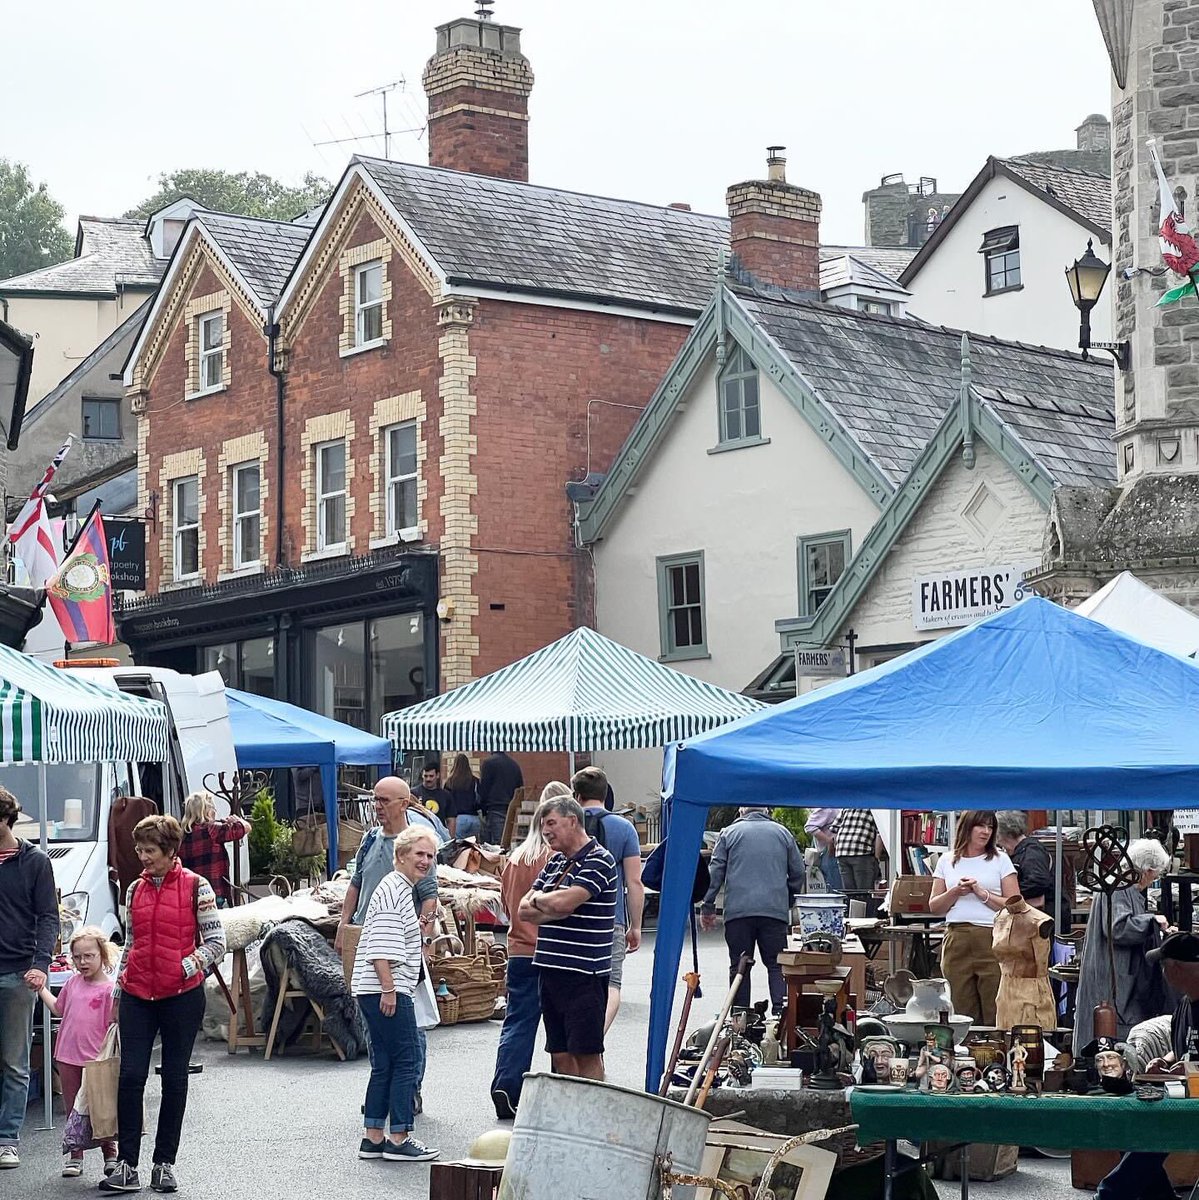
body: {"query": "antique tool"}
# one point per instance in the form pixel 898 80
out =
pixel 691 979
pixel 743 966
pixel 722 1048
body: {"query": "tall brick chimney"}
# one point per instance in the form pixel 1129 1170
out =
pixel 775 233
pixel 478 85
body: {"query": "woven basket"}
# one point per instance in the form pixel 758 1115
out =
pixel 447 1009
pixel 476 1001
pixel 349 836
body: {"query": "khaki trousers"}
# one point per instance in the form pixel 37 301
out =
pixel 970 965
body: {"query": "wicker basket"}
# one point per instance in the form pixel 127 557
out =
pixel 470 978
pixel 447 1009
pixel 349 836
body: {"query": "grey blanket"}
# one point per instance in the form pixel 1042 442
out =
pixel 316 968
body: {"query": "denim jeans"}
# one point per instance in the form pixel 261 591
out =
pixel 518 1037
pixel 493 825
pixel 1139 1175
pixel 177 1020
pixel 16 1036
pixel 422 1057
pixel 395 1059
pixel 741 934
pixel 467 825
pixel 830 870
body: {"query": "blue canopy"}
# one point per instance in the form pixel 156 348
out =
pixel 1035 707
pixel 269 734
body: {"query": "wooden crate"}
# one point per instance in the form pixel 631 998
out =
pixel 461 1181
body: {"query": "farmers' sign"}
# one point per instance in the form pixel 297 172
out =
pixel 953 598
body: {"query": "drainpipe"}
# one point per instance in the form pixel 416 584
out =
pixel 968 457
pixel 271 329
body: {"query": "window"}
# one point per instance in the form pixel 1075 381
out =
pixel 330 495
pixel 867 305
pixel 186 515
pixel 212 351
pixel 822 560
pixel 247 516
pixel 368 304
pixel 401 478
pixel 248 665
pixel 1001 253
pixel 101 419
pixel 681 606
pixel 740 415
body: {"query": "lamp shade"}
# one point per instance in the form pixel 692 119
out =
pixel 1086 279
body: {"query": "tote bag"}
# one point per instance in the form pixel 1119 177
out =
pixel 100 1077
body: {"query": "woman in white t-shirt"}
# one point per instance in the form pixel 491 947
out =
pixel 970 886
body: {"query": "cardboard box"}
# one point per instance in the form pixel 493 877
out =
pixel 910 894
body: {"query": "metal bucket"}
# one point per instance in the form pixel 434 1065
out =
pixel 577 1139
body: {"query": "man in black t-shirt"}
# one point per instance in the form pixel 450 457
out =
pixel 499 778
pixel 430 792
pixel 1141 1174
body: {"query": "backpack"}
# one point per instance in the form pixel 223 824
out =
pixel 593 824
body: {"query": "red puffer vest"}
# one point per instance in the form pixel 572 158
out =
pixel 163 920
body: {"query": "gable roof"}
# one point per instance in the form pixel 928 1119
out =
pixel 878 390
pixel 886 260
pixel 1084 196
pixel 519 237
pixel 851 270
pixel 110 253
pixel 262 252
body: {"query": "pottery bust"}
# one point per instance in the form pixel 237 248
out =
pixel 930 997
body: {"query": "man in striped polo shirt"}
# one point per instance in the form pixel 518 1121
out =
pixel 573 903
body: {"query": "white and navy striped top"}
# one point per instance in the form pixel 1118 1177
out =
pixel 391 931
pixel 581 941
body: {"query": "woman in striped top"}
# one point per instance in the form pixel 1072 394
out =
pixel 386 970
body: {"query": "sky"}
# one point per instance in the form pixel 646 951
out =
pixel 654 100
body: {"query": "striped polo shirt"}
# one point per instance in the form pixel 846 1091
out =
pixel 581 941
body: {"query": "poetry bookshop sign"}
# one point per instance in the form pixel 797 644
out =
pixel 952 598
pixel 126 553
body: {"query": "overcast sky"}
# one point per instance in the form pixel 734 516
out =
pixel 656 100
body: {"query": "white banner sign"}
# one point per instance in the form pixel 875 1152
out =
pixel 820 664
pixel 1186 820
pixel 954 598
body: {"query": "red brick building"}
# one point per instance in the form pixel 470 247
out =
pixel 355 433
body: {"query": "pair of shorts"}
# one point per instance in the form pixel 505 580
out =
pixel 573 1006
pixel 620 947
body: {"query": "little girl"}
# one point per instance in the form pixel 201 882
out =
pixel 84 1007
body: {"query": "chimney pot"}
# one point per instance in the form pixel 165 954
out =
pixel 776 164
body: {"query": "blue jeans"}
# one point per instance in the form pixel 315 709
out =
pixel 518 1037
pixel 16 1035
pixel 830 870
pixel 1139 1175
pixel 467 825
pixel 422 1057
pixel 395 1058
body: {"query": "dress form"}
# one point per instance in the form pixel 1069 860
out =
pixel 1022 945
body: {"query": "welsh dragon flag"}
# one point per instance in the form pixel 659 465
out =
pixel 1180 252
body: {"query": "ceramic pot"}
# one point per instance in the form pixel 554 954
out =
pixel 819 913
pixel 930 997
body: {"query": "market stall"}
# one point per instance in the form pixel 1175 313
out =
pixel 1034 702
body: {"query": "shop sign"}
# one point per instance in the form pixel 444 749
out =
pixel 1186 820
pixel 126 553
pixel 952 598
pixel 820 664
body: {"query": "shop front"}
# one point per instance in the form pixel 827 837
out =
pixel 350 640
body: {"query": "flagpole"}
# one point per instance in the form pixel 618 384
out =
pixel 81 530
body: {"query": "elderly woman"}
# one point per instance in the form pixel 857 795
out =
pixel 1033 863
pixel 387 967
pixel 1140 992
pixel 173 935
pixel 204 839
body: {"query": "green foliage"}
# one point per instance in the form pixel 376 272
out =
pixel 31 231
pixel 248 193
pixel 265 829
pixel 292 866
pixel 794 820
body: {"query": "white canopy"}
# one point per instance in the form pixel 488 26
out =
pixel 1129 606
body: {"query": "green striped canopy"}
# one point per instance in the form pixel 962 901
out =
pixel 52 715
pixel 582 692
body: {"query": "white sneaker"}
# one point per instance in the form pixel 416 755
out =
pixel 9 1158
pixel 72 1167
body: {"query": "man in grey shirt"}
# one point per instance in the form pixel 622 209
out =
pixel 760 866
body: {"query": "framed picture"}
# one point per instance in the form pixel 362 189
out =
pixel 738 1154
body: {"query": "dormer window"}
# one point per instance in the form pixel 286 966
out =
pixel 1001 254
pixel 740 407
pixel 368 304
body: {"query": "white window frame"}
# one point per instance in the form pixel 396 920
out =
pixel 322 540
pixel 180 529
pixel 206 356
pixel 241 516
pixel 360 309
pixel 392 477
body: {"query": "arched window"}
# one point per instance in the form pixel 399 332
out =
pixel 740 408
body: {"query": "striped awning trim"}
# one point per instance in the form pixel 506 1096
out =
pixel 582 692
pixel 53 715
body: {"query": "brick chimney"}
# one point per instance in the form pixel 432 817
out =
pixel 775 234
pixel 478 85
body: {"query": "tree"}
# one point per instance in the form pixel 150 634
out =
pixel 251 194
pixel 31 230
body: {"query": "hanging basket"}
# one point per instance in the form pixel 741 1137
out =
pixel 310 837
pixel 349 836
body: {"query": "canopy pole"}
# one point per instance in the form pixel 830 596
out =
pixel 1057 878
pixel 47 1060
pixel 571 755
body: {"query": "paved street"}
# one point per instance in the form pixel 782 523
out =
pixel 290 1127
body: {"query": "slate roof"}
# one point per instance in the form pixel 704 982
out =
pixel 110 251
pixel 1089 194
pixel 887 260
pixel 891 381
pixel 264 252
pixel 849 268
pixel 521 237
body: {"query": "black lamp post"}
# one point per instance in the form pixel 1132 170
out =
pixel 1086 279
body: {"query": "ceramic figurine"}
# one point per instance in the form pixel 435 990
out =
pixel 877 1056
pixel 899 1071
pixel 995 1077
pixel 936 1051
pixel 968 1078
pixel 1017 1060
pixel 940 1079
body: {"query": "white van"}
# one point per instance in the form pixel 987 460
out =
pixel 79 796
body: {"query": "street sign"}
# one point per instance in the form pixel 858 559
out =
pixel 820 664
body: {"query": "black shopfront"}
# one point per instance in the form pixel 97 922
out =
pixel 348 638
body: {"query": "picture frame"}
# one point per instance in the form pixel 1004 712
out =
pixel 738 1154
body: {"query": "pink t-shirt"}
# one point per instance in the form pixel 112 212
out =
pixel 86 1010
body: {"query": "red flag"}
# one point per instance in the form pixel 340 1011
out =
pixel 81 592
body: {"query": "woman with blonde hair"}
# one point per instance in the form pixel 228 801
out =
pixel 204 839
pixel 518 1036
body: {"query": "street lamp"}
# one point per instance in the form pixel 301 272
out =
pixel 1086 279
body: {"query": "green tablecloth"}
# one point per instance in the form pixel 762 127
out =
pixel 1054 1121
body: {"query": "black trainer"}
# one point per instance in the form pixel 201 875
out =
pixel 124 1178
pixel 504 1108
pixel 162 1178
pixel 409 1150
pixel 369 1149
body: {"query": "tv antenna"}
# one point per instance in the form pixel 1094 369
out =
pixel 483 9
pixel 382 93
